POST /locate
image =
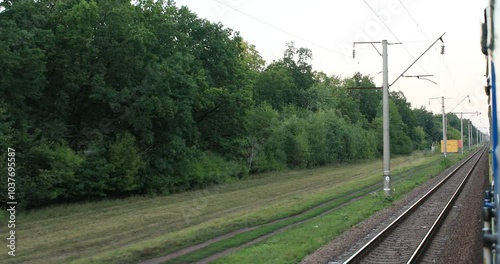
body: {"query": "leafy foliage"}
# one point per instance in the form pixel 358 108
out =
pixel 113 98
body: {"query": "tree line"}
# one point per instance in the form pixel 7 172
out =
pixel 113 98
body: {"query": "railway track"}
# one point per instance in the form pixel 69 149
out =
pixel 405 240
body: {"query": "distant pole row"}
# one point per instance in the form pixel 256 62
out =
pixel 462 126
pixel 444 122
pixel 385 107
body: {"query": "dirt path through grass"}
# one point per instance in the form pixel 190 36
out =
pixel 350 198
pixel 139 228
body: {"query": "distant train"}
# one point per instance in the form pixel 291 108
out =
pixel 491 49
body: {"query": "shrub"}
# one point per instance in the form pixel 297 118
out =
pixel 125 164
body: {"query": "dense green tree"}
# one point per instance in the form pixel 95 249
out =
pixel 112 98
pixel 24 44
pixel 317 138
pixel 407 115
pixel 262 121
pixel 287 81
pixel 453 120
pixel 400 142
pixel 348 105
pixel 251 58
pixel 297 61
pixel 453 134
pixel 420 142
pixel 322 94
pixel 426 120
pixel 365 96
pixel 276 86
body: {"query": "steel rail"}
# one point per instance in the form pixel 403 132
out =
pixel 365 249
pixel 418 253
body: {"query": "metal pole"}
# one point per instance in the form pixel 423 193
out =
pixel 462 131
pixel 444 127
pixel 385 108
pixel 477 136
pixel 470 135
pixel 468 128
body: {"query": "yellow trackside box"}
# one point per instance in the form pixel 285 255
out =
pixel 451 145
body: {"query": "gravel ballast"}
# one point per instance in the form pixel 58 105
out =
pixel 459 241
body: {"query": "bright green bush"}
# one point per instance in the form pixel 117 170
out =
pixel 125 164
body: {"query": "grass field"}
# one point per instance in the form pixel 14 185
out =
pixel 139 228
pixel 294 244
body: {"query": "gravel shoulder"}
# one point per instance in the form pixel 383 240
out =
pixel 462 232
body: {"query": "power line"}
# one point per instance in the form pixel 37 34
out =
pixel 412 18
pixel 280 29
pixel 448 70
pixel 394 35
pixel 423 33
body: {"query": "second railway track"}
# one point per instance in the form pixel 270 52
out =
pixel 405 239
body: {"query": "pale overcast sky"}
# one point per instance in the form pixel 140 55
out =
pixel 329 28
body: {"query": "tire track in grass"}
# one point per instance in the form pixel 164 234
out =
pixel 244 237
